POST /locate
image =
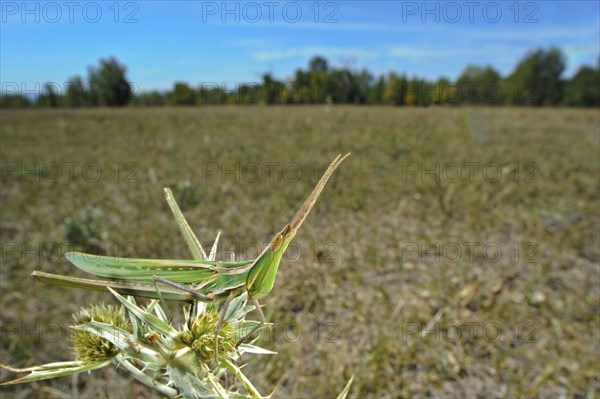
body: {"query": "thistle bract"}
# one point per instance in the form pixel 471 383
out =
pixel 91 348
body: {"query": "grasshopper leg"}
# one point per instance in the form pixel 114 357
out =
pixel 262 321
pixel 204 298
pixel 261 315
pixel 155 282
pixel 260 312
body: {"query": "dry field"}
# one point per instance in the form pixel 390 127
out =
pixel 456 254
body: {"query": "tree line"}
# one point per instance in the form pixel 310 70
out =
pixel 536 80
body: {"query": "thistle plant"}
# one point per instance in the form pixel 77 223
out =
pixel 177 362
pixel 188 361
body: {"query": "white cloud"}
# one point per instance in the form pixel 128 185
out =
pixel 420 52
pixel 490 51
pixel 533 33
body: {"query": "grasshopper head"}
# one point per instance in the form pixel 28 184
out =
pixel 261 277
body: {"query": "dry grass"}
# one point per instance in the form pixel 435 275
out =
pixel 358 295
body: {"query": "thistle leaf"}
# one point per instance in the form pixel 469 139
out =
pixel 160 312
pixel 235 311
pixel 215 383
pixel 249 348
pixel 53 370
pixel 148 318
pixel 188 234
pixel 246 328
pixel 243 379
pixel 189 386
pixel 152 382
pixel 346 389
pixel 139 328
pixel 213 250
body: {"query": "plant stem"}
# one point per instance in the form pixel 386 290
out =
pixel 121 362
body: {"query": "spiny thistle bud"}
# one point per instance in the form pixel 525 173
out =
pixel 90 347
pixel 200 336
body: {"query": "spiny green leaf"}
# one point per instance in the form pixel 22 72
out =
pixel 53 370
pixel 235 311
pixel 213 250
pixel 150 381
pixel 243 379
pixel 346 389
pixel 215 383
pixel 248 327
pixel 189 386
pixel 249 348
pixel 190 238
pixel 139 328
pixel 148 318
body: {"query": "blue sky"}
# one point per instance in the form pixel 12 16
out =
pixel 227 42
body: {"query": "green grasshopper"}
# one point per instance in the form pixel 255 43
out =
pixel 202 279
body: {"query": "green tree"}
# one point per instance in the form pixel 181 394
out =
pixel 14 101
pixel 109 79
pixel 272 90
pixel 375 95
pixel 320 84
pixel 246 94
pixel 50 96
pixel 444 92
pixel 299 92
pixel 74 96
pixel 342 86
pixel 211 94
pixel 395 89
pixel 318 64
pixel 182 94
pixel 584 88
pixel 152 98
pixel 480 85
pixel 537 78
pixel 363 81
pixel 417 92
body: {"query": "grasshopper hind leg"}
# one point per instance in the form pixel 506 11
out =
pixel 156 280
pixel 203 298
pixel 258 308
pixel 263 321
